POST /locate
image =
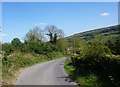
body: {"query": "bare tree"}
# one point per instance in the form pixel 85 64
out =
pixel 34 34
pixel 53 33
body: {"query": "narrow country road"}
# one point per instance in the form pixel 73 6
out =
pixel 48 73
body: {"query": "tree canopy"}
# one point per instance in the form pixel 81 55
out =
pixel 16 42
pixel 34 34
pixel 53 33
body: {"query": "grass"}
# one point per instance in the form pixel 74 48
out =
pixel 16 62
pixel 87 78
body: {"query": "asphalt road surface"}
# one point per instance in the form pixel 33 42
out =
pixel 48 73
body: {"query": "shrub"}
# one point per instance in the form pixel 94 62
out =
pixel 113 43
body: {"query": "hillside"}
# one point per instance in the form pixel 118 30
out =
pixel 106 31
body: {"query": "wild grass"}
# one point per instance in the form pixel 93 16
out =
pixel 86 77
pixel 13 63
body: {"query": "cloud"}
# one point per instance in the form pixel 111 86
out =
pixel 104 14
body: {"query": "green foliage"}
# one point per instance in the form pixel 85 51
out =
pixel 34 46
pixel 34 34
pixel 113 43
pixel 33 50
pixel 103 31
pixel 7 48
pixel 15 45
pixel 40 47
pixel 75 43
pixel 95 55
pixel 62 45
pixel 112 64
pixel 53 55
pixel 86 77
pixel 16 42
pixel 94 50
pixel 97 49
pixel 18 60
pixel 49 47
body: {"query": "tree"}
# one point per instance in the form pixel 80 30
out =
pixel 62 45
pixel 96 49
pixel 16 42
pixel 34 34
pixel 53 33
pixel 75 43
pixel 35 47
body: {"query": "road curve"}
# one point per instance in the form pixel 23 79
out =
pixel 48 73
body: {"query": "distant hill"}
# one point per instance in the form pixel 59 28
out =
pixel 106 31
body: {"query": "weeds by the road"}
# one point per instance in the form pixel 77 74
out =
pixel 86 77
pixel 15 62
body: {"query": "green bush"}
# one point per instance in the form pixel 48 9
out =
pixel 18 60
pixel 95 56
pixel 7 48
pixel 113 43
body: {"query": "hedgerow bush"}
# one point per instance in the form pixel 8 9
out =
pixel 96 55
pixel 18 60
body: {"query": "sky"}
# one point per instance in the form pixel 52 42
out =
pixel 71 17
pixel 60 0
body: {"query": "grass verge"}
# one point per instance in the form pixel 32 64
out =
pixel 87 78
pixel 13 64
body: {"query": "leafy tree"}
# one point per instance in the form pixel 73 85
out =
pixel 91 52
pixel 62 45
pixel 75 43
pixel 16 42
pixel 24 48
pixel 96 49
pixel 80 48
pixel 35 47
pixel 40 47
pixel 49 47
pixel 34 34
pixel 53 33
